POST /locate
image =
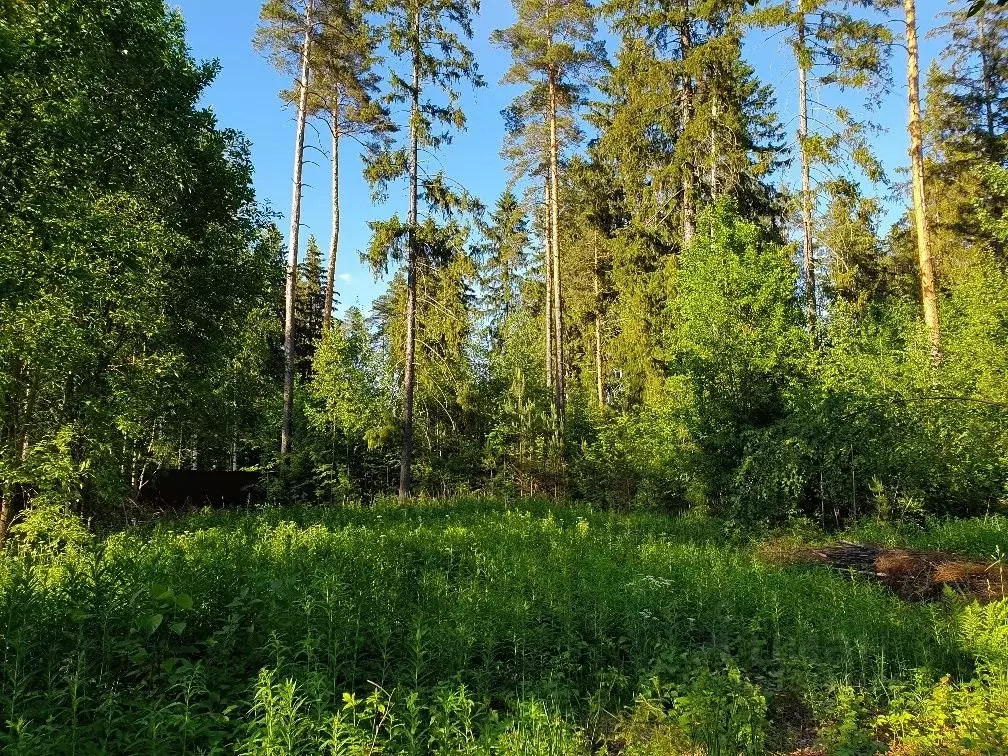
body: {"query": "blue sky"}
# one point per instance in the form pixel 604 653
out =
pixel 244 97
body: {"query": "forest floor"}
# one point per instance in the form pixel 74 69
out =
pixel 505 627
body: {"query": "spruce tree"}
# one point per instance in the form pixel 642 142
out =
pixel 663 159
pixel 504 251
pixel 966 138
pixel 309 308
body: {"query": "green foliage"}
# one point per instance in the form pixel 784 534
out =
pixel 736 340
pixel 469 626
pixel 985 538
pixel 954 718
pixel 637 460
pixel 136 266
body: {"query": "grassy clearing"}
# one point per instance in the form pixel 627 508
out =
pixel 476 627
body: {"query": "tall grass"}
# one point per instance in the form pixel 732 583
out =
pixel 453 627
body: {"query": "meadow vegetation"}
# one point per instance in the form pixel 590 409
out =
pixel 482 626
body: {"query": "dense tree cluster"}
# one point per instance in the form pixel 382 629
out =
pixel 648 315
pixel 137 301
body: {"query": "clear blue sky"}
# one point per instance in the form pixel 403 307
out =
pixel 244 97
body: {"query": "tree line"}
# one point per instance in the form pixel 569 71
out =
pixel 649 313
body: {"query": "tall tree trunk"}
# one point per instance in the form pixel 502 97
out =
pixel 808 251
pixel 548 267
pixel 599 384
pixel 18 442
pixel 559 387
pixel 686 113
pixel 409 374
pixel 334 241
pixel 295 230
pixel 929 295
pixel 985 73
pixel 715 190
pixel 6 508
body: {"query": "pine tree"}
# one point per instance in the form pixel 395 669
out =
pixel 430 35
pixel 832 47
pixel 929 295
pixel 287 30
pixel 344 91
pixel 552 44
pixel 526 150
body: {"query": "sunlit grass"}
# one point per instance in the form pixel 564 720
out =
pixel 447 627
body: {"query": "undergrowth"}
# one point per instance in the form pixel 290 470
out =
pixel 475 627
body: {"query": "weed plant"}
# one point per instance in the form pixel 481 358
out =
pixel 474 626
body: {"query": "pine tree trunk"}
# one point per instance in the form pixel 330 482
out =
pixel 409 375
pixel 928 293
pixel 599 384
pixel 686 105
pixel 548 267
pixel 295 229
pixel 330 291
pixel 6 508
pixel 808 252
pixel 712 136
pixel 985 72
pixel 20 417
pixel 559 388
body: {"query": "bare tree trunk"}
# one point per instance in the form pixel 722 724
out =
pixel 295 230
pixel 808 251
pixel 599 384
pixel 334 242
pixel 715 192
pixel 548 267
pixel 928 294
pixel 686 105
pixel 559 388
pixel 409 375
pixel 19 440
pixel 985 72
pixel 6 509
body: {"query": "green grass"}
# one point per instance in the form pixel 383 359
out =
pixel 469 626
pixel 979 538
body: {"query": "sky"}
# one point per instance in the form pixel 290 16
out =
pixel 245 97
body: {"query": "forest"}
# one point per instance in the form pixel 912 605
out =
pixel 691 439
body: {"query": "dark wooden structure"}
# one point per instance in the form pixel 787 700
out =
pixel 173 490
